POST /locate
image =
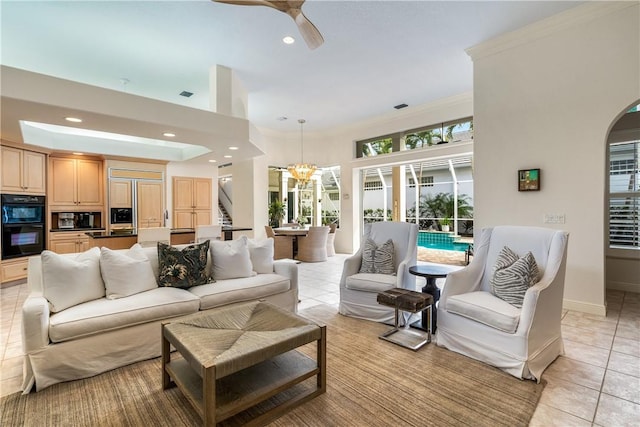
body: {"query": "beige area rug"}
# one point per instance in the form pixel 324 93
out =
pixel 370 382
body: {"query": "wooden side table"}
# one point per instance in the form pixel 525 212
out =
pixel 413 302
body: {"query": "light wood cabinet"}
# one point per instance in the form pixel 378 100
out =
pixel 150 204
pixel 14 269
pixel 23 171
pixel 191 202
pixel 76 184
pixel 68 242
pixel 120 194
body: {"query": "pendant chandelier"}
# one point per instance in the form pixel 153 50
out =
pixel 302 171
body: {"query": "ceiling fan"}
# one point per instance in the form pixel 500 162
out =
pixel 293 8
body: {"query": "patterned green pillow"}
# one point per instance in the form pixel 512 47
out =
pixel 378 259
pixel 513 275
pixel 183 268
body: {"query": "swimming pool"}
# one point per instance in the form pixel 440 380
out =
pixel 439 240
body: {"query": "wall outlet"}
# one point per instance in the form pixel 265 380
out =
pixel 554 218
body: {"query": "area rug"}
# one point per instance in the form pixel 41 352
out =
pixel 370 382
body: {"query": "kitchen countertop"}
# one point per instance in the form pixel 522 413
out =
pixel 77 230
pixel 131 233
pixel 102 234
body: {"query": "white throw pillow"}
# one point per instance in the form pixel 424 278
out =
pixel 69 281
pixel 261 253
pixel 126 273
pixel 231 259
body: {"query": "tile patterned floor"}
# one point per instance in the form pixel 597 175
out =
pixel 596 382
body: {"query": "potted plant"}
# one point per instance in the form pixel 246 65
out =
pixel 276 212
pixel 446 222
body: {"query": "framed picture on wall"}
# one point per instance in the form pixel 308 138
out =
pixel 529 180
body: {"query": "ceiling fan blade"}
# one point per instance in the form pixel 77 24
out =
pixel 309 31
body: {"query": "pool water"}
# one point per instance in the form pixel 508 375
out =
pixel 441 241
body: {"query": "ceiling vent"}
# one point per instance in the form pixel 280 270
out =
pixel 186 94
pixel 400 106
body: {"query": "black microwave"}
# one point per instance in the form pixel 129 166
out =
pixel 121 215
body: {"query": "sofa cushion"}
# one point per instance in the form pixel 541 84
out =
pixel 235 290
pixel 69 280
pixel 513 275
pixel 378 258
pixel 368 282
pixel 103 315
pixel 485 308
pixel 231 259
pixel 183 268
pixel 118 268
pixel 261 254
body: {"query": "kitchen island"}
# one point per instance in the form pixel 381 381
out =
pixel 124 239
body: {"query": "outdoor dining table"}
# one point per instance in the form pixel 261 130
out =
pixel 290 231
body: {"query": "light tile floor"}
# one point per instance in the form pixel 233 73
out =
pixel 596 382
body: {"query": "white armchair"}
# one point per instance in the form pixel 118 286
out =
pixel 474 322
pixel 358 291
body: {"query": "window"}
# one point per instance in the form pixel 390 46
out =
pixel 460 130
pixel 372 185
pixel 425 181
pixel 624 194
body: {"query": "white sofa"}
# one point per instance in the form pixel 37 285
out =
pixel 103 334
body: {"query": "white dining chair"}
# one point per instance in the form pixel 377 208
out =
pixel 148 237
pixel 208 232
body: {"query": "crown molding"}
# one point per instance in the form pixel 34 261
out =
pixel 578 15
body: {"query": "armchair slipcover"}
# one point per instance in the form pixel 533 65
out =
pixel 359 291
pixel 474 322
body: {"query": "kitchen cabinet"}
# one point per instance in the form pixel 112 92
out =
pixel 150 204
pixel 120 194
pixel 23 171
pixel 191 202
pixel 68 242
pixel 75 184
pixel 14 269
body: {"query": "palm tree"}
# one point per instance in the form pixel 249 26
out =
pixel 442 206
pixel 425 138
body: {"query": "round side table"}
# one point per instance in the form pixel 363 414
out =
pixel 430 273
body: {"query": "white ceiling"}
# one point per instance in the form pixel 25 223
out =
pixel 376 54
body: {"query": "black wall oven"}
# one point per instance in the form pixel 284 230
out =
pixel 23 220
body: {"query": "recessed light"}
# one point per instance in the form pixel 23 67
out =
pixel 281 118
pixel 228 156
pixel 288 40
pixel 79 154
pixel 169 134
pixel 233 148
pixel 212 161
pixel 73 119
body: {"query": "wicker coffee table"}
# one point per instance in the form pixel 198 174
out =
pixel 237 356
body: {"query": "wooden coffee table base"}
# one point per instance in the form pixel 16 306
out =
pixel 218 398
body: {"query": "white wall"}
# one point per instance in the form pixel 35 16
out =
pixel 558 84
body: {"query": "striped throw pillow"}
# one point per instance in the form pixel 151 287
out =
pixel 378 259
pixel 513 275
